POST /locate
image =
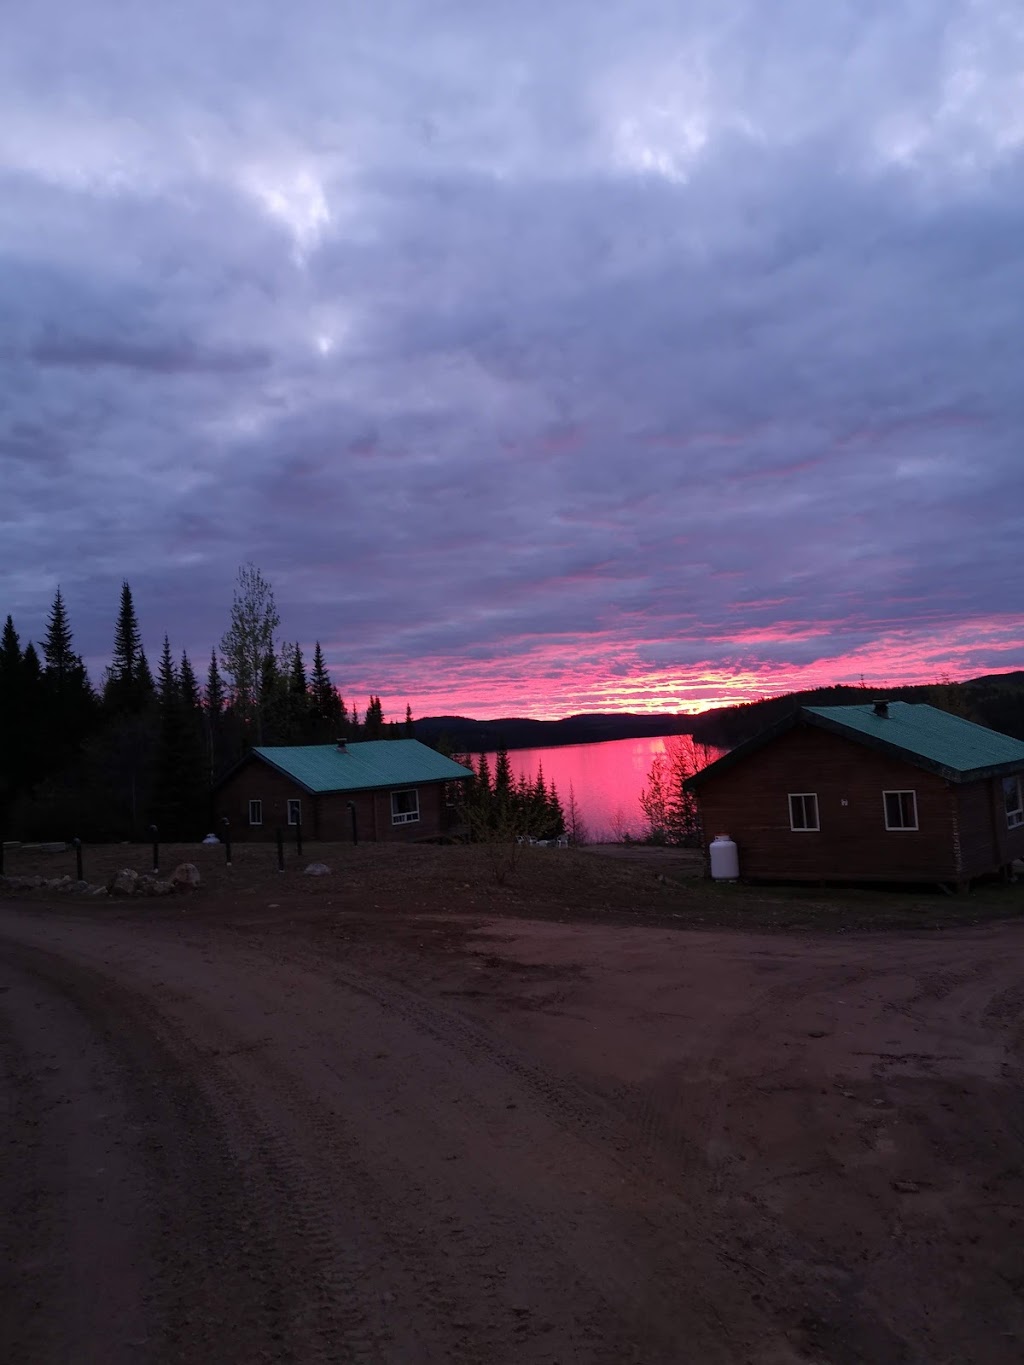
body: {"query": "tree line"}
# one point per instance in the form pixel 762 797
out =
pixel 498 806
pixel 105 763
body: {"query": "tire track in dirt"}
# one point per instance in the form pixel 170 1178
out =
pixel 224 1241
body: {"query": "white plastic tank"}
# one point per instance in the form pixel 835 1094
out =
pixel 725 859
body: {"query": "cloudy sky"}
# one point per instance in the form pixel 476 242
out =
pixel 546 357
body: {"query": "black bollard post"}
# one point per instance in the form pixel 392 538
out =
pixel 227 839
pixel 298 839
pixel 1 856
pixel 156 849
pixel 280 850
pixel 77 846
pixel 355 822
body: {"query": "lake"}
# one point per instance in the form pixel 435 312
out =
pixel 607 779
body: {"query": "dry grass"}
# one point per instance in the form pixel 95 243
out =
pixel 625 885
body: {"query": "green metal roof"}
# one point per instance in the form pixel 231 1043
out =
pixel 370 763
pixel 926 736
pixel 956 749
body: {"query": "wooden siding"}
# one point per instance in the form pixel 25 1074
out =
pixel 750 803
pixel 325 817
pixel 987 842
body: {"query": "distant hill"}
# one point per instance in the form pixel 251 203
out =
pixel 995 700
pixel 518 732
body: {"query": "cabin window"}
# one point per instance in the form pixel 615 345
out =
pixel 405 807
pixel 900 810
pixel 255 812
pixel 1013 798
pixel 803 811
pixel 294 810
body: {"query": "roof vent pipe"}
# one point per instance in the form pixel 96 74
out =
pixel 341 746
pixel 882 709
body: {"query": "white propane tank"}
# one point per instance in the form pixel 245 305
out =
pixel 725 859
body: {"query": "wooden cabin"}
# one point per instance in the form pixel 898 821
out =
pixel 886 791
pixel 397 790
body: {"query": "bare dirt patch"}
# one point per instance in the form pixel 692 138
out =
pixel 401 1114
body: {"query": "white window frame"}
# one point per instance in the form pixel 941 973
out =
pixel 257 805
pixel 406 817
pixel 804 797
pixel 296 802
pixel 1014 814
pixel 902 826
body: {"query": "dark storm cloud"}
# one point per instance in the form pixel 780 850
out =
pixel 569 342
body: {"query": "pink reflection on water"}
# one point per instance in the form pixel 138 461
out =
pixel 607 779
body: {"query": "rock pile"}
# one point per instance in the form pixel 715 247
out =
pixel 125 882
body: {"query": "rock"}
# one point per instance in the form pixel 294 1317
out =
pixel 185 877
pixel 98 891
pixel 123 883
pixel 211 839
pixel 317 870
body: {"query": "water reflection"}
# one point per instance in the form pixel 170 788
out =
pixel 607 779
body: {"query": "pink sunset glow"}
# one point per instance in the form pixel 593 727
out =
pixel 550 681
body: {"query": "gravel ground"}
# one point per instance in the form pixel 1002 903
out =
pixel 279 1122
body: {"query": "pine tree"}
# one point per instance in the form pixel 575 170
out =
pixel 298 698
pixel 188 684
pixel 60 661
pixel 273 703
pixel 373 725
pixel 123 693
pixel 213 713
pixel 167 677
pixel 179 805
pixel 410 727
pixel 13 734
pixel 10 652
pixel 70 701
pixel 146 685
pixel 502 777
pixel 327 714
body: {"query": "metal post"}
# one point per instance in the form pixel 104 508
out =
pixel 1 856
pixel 355 822
pixel 76 844
pixel 227 839
pixel 156 849
pixel 298 839
pixel 280 850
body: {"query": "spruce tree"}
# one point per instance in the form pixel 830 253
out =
pixel 70 701
pixel 123 693
pixel 373 724
pixel 179 805
pixel 328 715
pixel 298 698
pixel 188 684
pixel 502 777
pixel 213 713
pixel 167 677
pixel 410 727
pixel 146 685
pixel 60 661
pixel 14 737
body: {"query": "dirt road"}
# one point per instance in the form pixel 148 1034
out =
pixel 291 1136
